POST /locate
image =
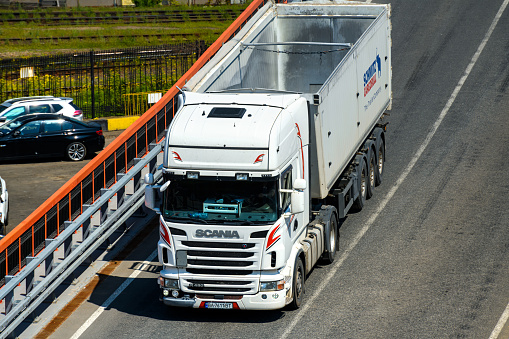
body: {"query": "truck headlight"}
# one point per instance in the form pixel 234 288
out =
pixel 272 286
pixel 169 283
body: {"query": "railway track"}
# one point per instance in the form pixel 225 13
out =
pixel 113 17
pixel 174 36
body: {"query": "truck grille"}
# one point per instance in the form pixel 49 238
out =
pixel 220 267
pixel 218 272
pixel 218 263
pixel 213 244
pixel 248 285
pixel 221 255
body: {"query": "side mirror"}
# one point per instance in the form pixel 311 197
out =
pixel 16 134
pixel 152 195
pixel 298 202
pixel 152 199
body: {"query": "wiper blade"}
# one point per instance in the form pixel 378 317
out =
pixel 244 222
pixel 190 220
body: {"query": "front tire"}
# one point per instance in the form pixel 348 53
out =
pixel 332 244
pixel 76 151
pixel 299 276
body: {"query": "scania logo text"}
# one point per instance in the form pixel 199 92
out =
pixel 217 234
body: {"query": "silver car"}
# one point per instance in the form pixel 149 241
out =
pixel 13 108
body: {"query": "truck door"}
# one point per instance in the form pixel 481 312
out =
pixel 295 222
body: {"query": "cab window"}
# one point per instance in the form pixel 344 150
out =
pixel 286 183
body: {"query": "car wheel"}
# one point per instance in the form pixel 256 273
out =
pixel 76 151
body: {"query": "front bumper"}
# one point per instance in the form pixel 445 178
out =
pixel 260 301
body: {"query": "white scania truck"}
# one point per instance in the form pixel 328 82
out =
pixel 275 139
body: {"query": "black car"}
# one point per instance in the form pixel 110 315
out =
pixel 48 135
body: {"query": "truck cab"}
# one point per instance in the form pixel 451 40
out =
pixel 234 204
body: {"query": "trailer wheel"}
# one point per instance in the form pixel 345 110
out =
pixel 299 276
pixel 331 239
pixel 358 204
pixel 380 156
pixel 372 169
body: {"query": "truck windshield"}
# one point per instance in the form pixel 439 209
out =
pixel 207 201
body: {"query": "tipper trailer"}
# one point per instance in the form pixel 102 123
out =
pixel 275 139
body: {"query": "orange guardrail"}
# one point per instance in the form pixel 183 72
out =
pixel 48 220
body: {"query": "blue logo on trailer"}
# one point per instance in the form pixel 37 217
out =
pixel 370 74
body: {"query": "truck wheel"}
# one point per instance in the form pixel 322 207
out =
pixel 358 204
pixel 380 156
pixel 371 175
pixel 331 244
pixel 298 284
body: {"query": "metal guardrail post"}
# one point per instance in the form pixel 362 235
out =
pixel 9 298
pixel 48 262
pixel 29 281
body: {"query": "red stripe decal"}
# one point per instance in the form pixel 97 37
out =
pixel 164 233
pixel 259 159
pixel 301 148
pixel 271 241
pixel 176 156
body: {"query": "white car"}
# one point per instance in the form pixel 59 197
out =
pixel 4 204
pixel 13 108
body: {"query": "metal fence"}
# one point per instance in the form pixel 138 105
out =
pixel 99 80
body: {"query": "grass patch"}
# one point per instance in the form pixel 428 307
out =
pixel 99 35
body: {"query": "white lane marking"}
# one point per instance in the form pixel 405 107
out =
pixel 110 300
pixel 402 177
pixel 500 325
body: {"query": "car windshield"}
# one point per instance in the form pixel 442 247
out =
pixel 217 201
pixel 9 127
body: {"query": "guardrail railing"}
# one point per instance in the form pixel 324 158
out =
pixel 61 256
pixel 49 220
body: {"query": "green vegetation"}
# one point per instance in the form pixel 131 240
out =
pixel 28 36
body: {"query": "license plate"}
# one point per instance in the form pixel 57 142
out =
pixel 223 306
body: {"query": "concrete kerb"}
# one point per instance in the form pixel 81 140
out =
pixel 114 123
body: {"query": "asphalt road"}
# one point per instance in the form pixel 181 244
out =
pixel 428 256
pixel 31 182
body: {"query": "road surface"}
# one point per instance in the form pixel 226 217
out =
pixel 428 256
